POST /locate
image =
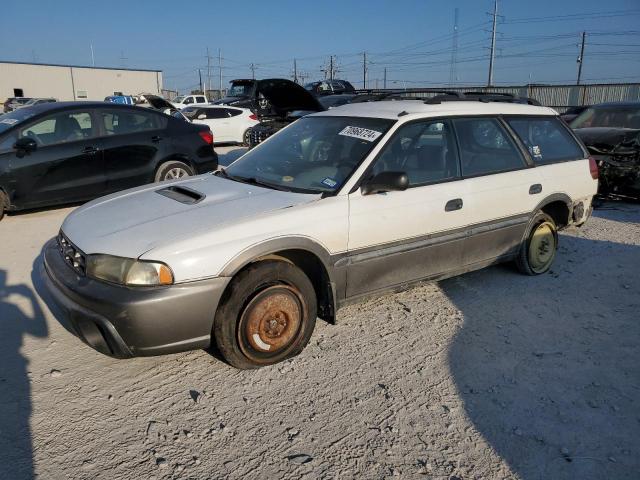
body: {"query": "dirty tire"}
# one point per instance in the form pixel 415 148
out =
pixel 266 315
pixel 538 250
pixel 173 170
pixel 246 138
pixel 4 204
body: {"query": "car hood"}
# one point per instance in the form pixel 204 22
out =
pixel 132 222
pixel 286 96
pixel 610 140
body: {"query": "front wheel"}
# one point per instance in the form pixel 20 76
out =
pixel 267 315
pixel 173 170
pixel 539 247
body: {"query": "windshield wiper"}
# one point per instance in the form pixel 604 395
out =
pixel 259 183
pixel 249 180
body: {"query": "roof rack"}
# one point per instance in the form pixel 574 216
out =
pixel 480 97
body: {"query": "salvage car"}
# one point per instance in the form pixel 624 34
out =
pixel 339 206
pixel 611 132
pixel 241 93
pixel 14 103
pixel 280 102
pixel 228 124
pixel 68 152
pixel 330 87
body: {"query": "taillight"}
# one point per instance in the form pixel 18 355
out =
pixel 253 116
pixel 593 168
pixel 207 136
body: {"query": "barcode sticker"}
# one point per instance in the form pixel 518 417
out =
pixel 361 133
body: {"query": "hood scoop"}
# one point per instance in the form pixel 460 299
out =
pixel 182 194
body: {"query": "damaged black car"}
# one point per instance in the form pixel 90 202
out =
pixel 611 132
pixel 280 102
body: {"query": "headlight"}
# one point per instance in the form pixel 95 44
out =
pixel 127 271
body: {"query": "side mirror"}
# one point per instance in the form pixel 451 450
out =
pixel 202 116
pixel 25 145
pixel 386 182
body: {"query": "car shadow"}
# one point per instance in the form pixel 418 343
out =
pixel 535 367
pixel 227 158
pixel 15 384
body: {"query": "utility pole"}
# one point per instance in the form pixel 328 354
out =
pixel 208 71
pixel 581 57
pixel 93 59
pixel 493 43
pixel 454 49
pixel 253 71
pixel 331 67
pixel 364 69
pixel 200 77
pixel 220 72
pixel 385 78
pixel 295 71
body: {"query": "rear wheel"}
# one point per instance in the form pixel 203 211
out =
pixel 539 248
pixel 267 315
pixel 173 170
pixel 246 138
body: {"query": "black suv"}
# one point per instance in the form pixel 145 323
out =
pixel 330 87
pixel 56 153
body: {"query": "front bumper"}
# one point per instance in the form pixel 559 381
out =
pixel 128 322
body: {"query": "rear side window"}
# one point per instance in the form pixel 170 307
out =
pixel 124 122
pixel 486 147
pixel 232 112
pixel 213 113
pixel 546 139
pixel 201 100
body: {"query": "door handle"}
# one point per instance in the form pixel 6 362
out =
pixel 156 138
pixel 455 204
pixel 535 188
pixel 90 150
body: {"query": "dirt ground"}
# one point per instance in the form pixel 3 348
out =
pixel 487 375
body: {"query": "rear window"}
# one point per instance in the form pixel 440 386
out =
pixel 546 139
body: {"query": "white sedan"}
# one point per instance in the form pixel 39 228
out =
pixel 228 124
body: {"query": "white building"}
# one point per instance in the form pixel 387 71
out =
pixel 70 82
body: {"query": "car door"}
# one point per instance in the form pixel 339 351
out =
pixel 402 236
pixel 237 124
pixel 503 188
pixel 67 165
pixel 133 139
pixel 219 123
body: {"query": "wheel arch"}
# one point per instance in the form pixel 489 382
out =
pixel 312 258
pixel 559 207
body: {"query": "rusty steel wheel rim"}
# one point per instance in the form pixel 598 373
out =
pixel 542 247
pixel 271 320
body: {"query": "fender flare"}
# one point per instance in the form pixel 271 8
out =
pixel 554 197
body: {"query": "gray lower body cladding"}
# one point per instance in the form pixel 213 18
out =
pixel 127 322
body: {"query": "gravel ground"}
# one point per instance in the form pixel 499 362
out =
pixel 487 375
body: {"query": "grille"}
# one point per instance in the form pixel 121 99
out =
pixel 71 254
pixel 259 136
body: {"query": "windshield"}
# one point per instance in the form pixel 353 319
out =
pixel 10 119
pixel 619 117
pixel 312 155
pixel 178 99
pixel 239 90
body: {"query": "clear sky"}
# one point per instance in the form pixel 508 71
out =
pixel 537 41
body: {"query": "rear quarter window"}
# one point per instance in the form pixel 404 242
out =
pixel 546 138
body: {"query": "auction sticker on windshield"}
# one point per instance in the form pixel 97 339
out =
pixel 360 133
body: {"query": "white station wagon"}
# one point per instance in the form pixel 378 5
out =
pixel 338 206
